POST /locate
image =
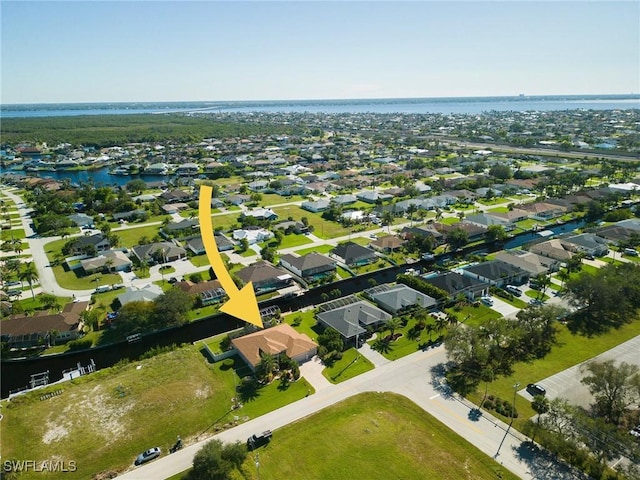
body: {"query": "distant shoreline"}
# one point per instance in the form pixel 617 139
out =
pixel 441 105
pixel 521 97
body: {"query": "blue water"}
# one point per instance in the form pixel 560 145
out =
pixel 461 105
pixel 99 177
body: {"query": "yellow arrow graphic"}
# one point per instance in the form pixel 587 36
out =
pixel 242 304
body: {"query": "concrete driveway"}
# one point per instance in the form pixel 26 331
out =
pixel 503 308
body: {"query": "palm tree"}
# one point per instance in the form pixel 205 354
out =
pixel 411 209
pixel 438 214
pixel 543 281
pixel 267 365
pixel 564 275
pixel 109 264
pixel 48 301
pixel 387 219
pixel 430 328
pixel 441 323
pixel 393 324
pixel 540 405
pixel 29 274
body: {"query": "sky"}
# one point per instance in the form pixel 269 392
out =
pixel 125 51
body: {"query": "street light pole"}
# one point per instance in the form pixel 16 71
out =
pixel 513 413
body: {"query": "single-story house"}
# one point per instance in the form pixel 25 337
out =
pixel 278 340
pixel 497 273
pixel 454 284
pixel 310 266
pixel 343 200
pixel 174 196
pixel 296 227
pixel 188 225
pixel 252 234
pixel 97 241
pixel 531 262
pixel 543 210
pixel 353 254
pixel 159 252
pixel 396 298
pixel 143 293
pixel 111 260
pixel 129 215
pixel 265 277
pixel 317 206
pixel 370 196
pixel 260 214
pixel 553 248
pixel 81 219
pixel 351 320
pixel 588 243
pixel 28 331
pixel 387 244
pixel 209 291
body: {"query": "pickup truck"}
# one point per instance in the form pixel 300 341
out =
pixel 257 440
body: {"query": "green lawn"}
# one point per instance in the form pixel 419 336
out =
pixel 364 241
pixel 318 249
pixel 350 365
pixel 69 279
pixel 474 315
pixel 13 234
pixel 322 228
pixel 306 325
pixel 449 220
pixel 374 436
pixel 570 350
pixel 203 312
pixel 199 260
pixel 536 294
pixel 343 273
pixel 371 267
pixel 104 419
pixel 493 201
pixel 404 345
pixel 499 210
pixel 225 222
pixel 275 199
pixel 289 241
pixel 131 236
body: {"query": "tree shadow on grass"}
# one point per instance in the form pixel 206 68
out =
pixel 543 464
pixel 249 389
pixel 382 345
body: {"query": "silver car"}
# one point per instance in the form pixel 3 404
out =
pixel 148 455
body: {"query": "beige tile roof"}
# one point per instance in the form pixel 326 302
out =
pixel 274 340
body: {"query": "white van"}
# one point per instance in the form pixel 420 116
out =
pixel 631 251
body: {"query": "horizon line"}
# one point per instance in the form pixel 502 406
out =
pixel 516 96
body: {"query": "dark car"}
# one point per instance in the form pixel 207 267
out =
pixel 147 455
pixel 257 440
pixel 535 389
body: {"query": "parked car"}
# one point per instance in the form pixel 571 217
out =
pixel 630 251
pixel 513 290
pixel 173 280
pixel 257 440
pixel 148 455
pixel 487 301
pixel 635 431
pixel 535 389
pixel 428 256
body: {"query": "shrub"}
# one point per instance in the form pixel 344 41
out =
pixel 227 363
pixel 79 344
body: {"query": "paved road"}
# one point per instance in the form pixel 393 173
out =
pixel 417 377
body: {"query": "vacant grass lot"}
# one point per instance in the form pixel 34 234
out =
pixel 570 350
pixel 322 228
pixel 318 249
pixel 289 241
pixel 305 322
pixel 131 236
pixel 371 436
pixel 104 419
